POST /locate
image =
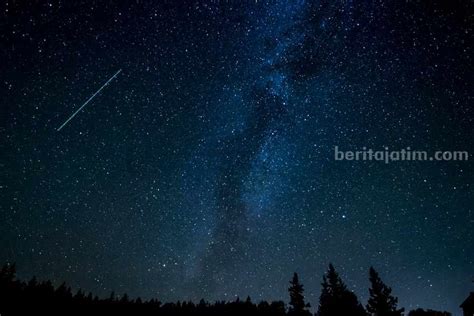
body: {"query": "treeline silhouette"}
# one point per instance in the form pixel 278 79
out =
pixel 22 298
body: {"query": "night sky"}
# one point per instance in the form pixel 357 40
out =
pixel 206 167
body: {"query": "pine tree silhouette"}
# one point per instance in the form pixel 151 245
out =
pixel 381 302
pixel 7 273
pixel 124 298
pixel 336 299
pixel 297 304
pixel 428 312
pixel 18 297
pixel 112 297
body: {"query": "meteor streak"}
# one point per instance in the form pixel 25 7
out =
pixel 90 99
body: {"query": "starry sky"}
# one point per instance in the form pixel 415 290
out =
pixel 206 167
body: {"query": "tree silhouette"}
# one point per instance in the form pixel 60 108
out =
pixel 8 272
pixel 381 302
pixel 336 299
pixel 18 297
pixel 124 298
pixel 428 312
pixel 297 304
pixel 112 296
pixel 63 292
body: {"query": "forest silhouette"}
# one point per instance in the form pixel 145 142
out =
pixel 21 298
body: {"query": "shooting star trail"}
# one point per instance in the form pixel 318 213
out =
pixel 89 100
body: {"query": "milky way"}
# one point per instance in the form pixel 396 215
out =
pixel 207 168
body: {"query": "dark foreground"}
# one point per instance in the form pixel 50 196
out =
pixel 42 298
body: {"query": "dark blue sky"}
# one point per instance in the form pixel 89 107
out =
pixel 206 168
